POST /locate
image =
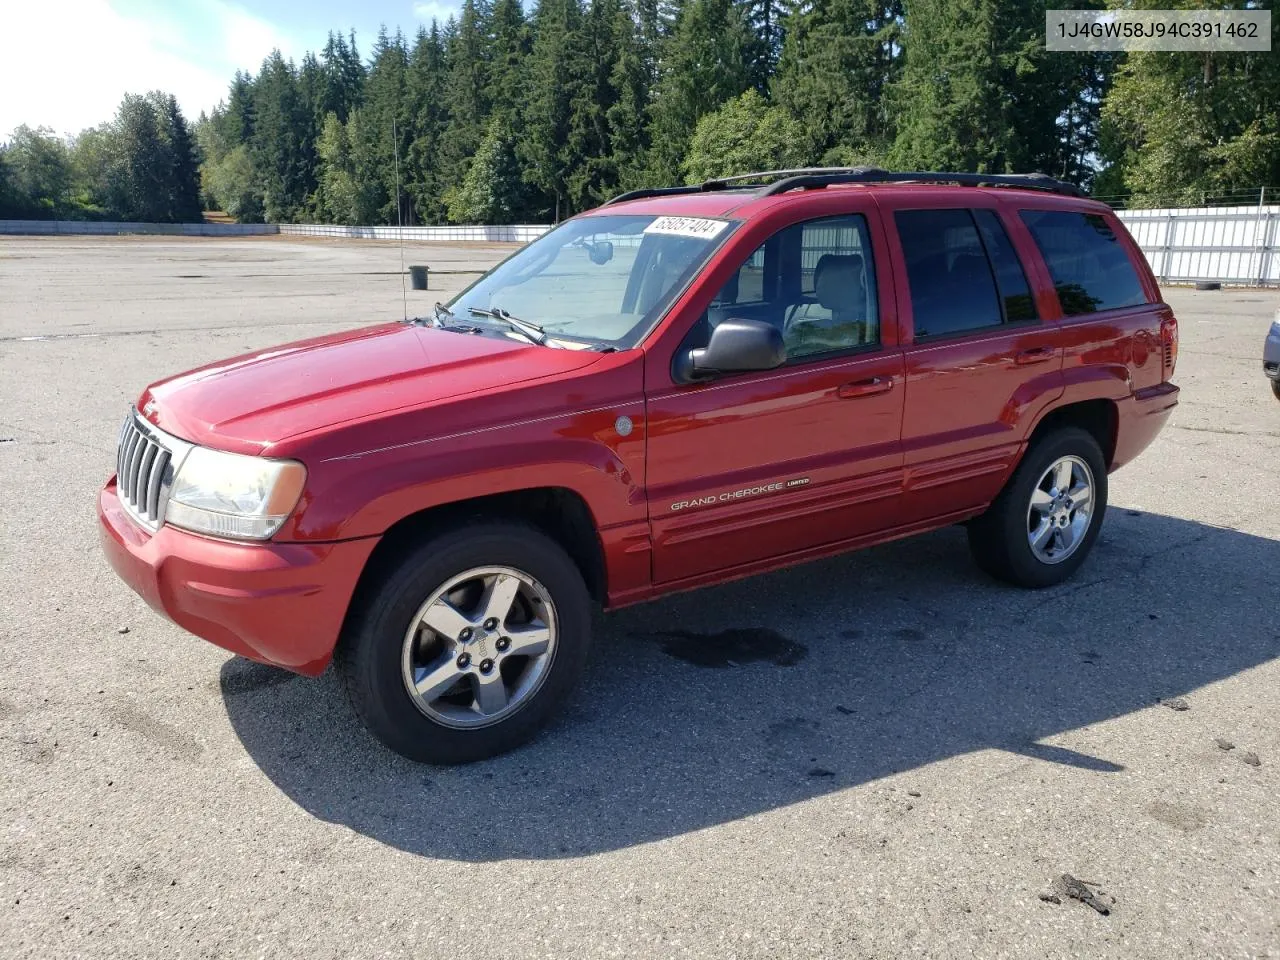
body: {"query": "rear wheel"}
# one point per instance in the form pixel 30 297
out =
pixel 1275 388
pixel 468 648
pixel 1041 527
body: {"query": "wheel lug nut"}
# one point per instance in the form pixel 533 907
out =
pixel 465 635
pixel 490 623
pixel 464 661
pixel 486 666
pixel 503 643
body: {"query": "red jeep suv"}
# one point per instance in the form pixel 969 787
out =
pixel 681 387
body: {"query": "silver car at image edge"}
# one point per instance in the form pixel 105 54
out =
pixel 1271 355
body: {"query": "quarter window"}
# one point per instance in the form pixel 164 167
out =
pixel 1091 269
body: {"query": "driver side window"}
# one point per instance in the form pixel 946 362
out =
pixel 814 281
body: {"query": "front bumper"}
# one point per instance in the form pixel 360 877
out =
pixel 277 603
pixel 1271 352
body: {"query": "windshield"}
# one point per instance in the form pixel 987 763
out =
pixel 601 280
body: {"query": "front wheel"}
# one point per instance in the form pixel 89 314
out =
pixel 467 649
pixel 1275 388
pixel 1041 527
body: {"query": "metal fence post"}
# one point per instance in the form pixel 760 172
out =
pixel 1260 237
pixel 1168 246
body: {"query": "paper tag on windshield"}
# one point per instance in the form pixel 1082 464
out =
pixel 687 227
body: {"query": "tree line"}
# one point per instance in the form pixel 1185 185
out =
pixel 499 116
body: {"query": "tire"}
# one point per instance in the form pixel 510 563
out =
pixel 1000 538
pixel 378 658
pixel 1275 388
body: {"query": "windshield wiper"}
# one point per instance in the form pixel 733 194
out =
pixel 439 313
pixel 530 331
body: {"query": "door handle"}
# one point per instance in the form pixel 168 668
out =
pixel 1034 355
pixel 865 388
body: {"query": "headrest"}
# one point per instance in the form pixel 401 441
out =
pixel 837 281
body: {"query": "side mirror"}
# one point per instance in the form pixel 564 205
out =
pixel 600 252
pixel 735 346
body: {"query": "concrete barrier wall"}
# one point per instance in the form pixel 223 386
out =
pixel 90 228
pixel 516 233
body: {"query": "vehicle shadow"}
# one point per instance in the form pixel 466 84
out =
pixel 706 707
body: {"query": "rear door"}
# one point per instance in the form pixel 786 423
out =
pixel 1113 322
pixel 750 467
pixel 981 357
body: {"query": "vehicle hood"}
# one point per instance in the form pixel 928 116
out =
pixel 248 403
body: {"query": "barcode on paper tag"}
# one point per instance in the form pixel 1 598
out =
pixel 687 227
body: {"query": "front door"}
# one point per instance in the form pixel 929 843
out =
pixel 750 467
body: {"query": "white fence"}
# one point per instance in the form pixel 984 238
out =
pixel 1227 244
pixel 1182 244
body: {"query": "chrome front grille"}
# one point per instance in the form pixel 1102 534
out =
pixel 146 462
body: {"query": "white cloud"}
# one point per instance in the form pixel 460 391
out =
pixel 428 10
pixel 67 64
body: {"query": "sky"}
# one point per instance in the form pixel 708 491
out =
pixel 67 63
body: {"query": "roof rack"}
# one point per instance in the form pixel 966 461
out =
pixel 810 178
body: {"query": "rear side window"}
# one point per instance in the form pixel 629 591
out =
pixel 1090 268
pixel 953 287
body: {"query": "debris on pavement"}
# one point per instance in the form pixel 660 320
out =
pixel 1252 759
pixel 1223 743
pixel 1050 898
pixel 1176 703
pixel 1069 886
pixel 124 629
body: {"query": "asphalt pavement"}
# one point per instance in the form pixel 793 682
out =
pixel 882 755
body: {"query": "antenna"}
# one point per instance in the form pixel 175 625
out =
pixel 395 145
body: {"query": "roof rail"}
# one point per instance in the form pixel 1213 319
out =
pixel 809 178
pixel 813 179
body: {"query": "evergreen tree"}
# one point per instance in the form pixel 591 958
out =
pixel 544 150
pixel 510 46
pixel 385 131
pixel 279 147
pixel 595 176
pixel 343 77
pixel 705 65
pixel 629 114
pixel 466 90
pixel 978 91
pixel 235 122
pixel 766 20
pixel 424 182
pixel 839 58
pixel 178 198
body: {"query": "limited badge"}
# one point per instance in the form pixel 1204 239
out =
pixel 624 426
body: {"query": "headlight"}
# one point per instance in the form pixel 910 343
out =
pixel 228 495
